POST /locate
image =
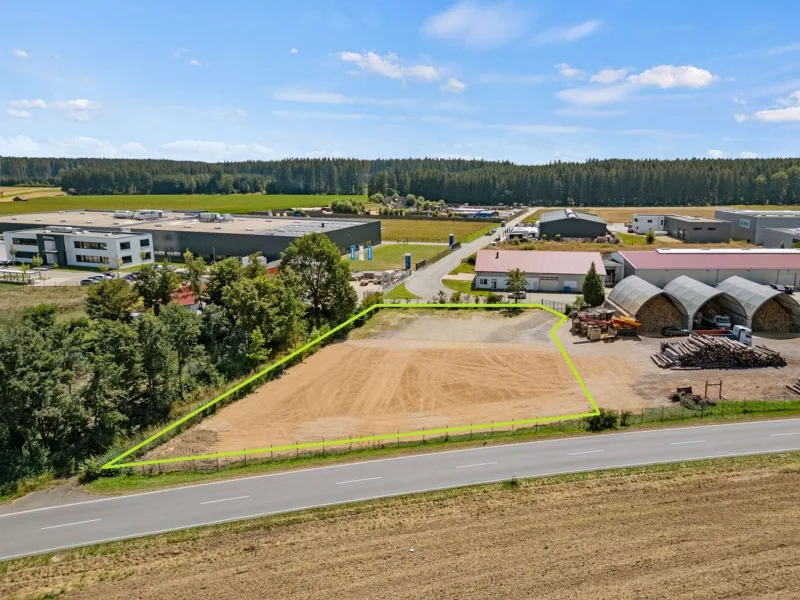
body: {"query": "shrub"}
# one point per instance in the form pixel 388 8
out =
pixel 650 237
pixel 607 419
pixel 558 237
pixel 90 469
pixel 625 418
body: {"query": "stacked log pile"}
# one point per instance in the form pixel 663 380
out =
pixel 772 317
pixel 657 313
pixel 710 352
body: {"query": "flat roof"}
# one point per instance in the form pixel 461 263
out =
pixel 83 232
pixel 762 213
pixel 70 218
pixel 789 230
pixel 538 261
pixel 557 215
pixel 280 226
pixel 691 260
pixel 696 219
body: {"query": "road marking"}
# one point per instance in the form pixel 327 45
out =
pixel 358 480
pixel 584 452
pixel 70 524
pixel 780 434
pixel 690 442
pixel 476 465
pixel 225 500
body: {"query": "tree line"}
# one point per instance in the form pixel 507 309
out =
pixel 72 389
pixel 614 182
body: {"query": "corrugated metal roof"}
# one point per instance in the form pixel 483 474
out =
pixel 710 260
pixel 558 215
pixel 633 292
pixel 752 296
pixel 538 261
pixel 693 294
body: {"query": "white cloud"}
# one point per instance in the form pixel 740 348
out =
pixel 76 146
pixel 78 110
pixel 567 71
pixel 17 114
pixel 20 53
pixel 135 148
pixel 512 79
pixel 609 76
pixel 539 129
pixel 588 113
pixel 454 85
pixel 324 153
pixel 791 100
pixel 740 118
pixel 240 113
pixel 195 63
pixel 669 76
pixel 747 155
pixel 739 99
pixel 293 51
pixel 784 49
pixel 179 52
pixel 389 66
pixel 310 97
pixel 328 116
pixel 779 115
pixel 716 154
pixel 564 35
pixel 28 103
pixel 595 95
pixel 215 151
pixel 477 25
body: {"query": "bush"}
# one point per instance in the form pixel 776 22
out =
pixel 625 418
pixel 607 419
pixel 90 469
pixel 470 260
pixel 558 237
pixel 650 237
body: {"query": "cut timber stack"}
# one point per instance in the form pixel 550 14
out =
pixel 772 317
pixel 707 352
pixel 657 313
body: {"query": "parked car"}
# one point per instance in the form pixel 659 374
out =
pixel 108 276
pixel 88 281
pixel 786 289
pixel 630 230
pixel 517 296
pixel 674 332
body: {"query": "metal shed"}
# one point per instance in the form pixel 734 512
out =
pixel 699 299
pixel 767 309
pixel 653 307
pixel 571 224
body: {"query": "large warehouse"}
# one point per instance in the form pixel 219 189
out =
pixel 712 266
pixel 570 224
pixel 210 235
pixel 774 237
pixel 751 225
pixel 545 271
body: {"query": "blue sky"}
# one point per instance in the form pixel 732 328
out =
pixel 529 82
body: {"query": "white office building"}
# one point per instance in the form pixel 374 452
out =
pixel 75 247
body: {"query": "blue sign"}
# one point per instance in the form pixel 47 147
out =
pixel 352 252
pixel 451 239
pixel 369 252
pixel 408 261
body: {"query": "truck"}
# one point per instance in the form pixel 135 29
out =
pixel 717 322
pixel 738 333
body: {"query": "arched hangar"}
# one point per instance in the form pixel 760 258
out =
pixel 766 309
pixel 701 302
pixel 651 306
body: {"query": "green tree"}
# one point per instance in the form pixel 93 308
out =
pixel 221 275
pixel 156 286
pixel 516 282
pixel 195 270
pixel 112 300
pixel 593 290
pixel 36 261
pixel 255 266
pixel 183 331
pixel 651 236
pixel 782 244
pixel 324 278
pixel 157 361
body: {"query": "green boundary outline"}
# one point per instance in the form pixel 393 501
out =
pixel 116 464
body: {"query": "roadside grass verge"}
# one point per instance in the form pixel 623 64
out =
pixel 392 256
pixel 428 230
pixel 400 292
pixel 666 416
pixel 464 266
pixel 632 239
pixel 228 203
pixel 465 287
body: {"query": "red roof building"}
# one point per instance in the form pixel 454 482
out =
pixel 545 271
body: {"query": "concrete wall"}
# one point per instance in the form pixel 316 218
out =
pixel 661 277
pixel 773 238
pixel 697 231
pixel 537 282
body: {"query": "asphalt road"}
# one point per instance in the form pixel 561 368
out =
pixel 47 529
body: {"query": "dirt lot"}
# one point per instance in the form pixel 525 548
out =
pixel 9 193
pixel 722 529
pixel 652 384
pixel 405 371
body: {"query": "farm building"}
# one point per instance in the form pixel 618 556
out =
pixel 697 229
pixel 712 266
pixel 650 305
pixel 774 237
pixel 210 235
pixel 766 309
pixel 570 224
pixel 751 225
pixel 701 302
pixel 545 271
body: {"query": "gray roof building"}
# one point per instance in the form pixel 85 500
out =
pixel 751 225
pixel 699 299
pixel 774 237
pixel 571 224
pixel 754 298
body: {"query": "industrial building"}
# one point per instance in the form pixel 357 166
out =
pixel 685 302
pixel 751 225
pixel 71 246
pixel 712 266
pixel 688 228
pixel 641 224
pixel 570 224
pixel 545 271
pixel 211 235
pixel 774 237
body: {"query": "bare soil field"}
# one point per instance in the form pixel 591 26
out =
pixel 653 384
pixel 718 529
pixel 407 371
pixel 7 194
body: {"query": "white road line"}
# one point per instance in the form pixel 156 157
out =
pixel 690 442
pixel 584 452
pixel 476 465
pixel 358 480
pixel 70 524
pixel 225 500
pixel 780 434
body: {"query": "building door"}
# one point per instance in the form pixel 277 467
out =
pixel 533 285
pixel 493 284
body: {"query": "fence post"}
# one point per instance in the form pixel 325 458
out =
pixel 642 420
pixel 662 413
